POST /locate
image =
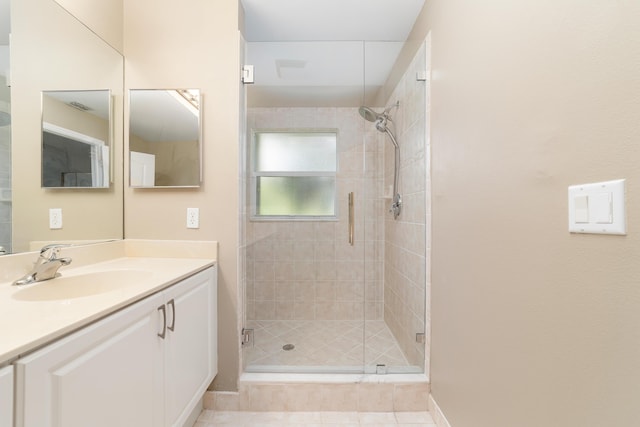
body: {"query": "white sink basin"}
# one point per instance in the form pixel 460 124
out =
pixel 80 285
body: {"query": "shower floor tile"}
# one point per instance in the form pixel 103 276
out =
pixel 321 344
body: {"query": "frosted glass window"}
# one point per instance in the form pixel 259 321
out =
pixel 300 196
pixel 294 174
pixel 295 152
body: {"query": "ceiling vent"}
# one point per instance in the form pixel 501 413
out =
pixel 291 69
pixel 79 106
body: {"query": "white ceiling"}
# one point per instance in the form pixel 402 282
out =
pixel 96 100
pixel 323 53
pixel 158 116
pixel 338 20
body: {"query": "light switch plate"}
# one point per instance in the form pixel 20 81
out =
pixel 598 208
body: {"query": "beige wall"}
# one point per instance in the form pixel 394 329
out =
pixel 51 50
pixel 177 162
pixel 104 17
pixel 195 45
pixel 532 325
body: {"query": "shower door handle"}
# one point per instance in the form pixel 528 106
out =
pixel 351 219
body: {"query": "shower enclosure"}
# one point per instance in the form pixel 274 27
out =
pixel 334 260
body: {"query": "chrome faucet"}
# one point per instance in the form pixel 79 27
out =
pixel 46 266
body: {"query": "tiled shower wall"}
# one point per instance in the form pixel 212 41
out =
pixel 407 242
pixel 307 269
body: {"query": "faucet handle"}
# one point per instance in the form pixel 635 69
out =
pixel 52 251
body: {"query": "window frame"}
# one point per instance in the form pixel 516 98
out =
pixel 255 175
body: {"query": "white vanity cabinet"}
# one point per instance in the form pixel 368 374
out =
pixel 146 365
pixel 6 396
pixel 191 357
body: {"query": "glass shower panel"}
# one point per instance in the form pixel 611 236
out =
pixel 304 293
pixel 396 262
pixel 314 301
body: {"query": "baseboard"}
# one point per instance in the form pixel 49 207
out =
pixel 195 413
pixel 437 414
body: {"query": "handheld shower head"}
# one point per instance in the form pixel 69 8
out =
pixel 368 114
pixel 371 116
pixel 380 120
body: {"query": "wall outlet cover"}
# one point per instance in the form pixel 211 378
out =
pixel 193 218
pixel 55 218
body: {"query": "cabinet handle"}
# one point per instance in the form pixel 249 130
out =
pixel 173 315
pixel 164 321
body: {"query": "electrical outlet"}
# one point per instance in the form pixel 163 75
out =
pixel 193 218
pixel 55 218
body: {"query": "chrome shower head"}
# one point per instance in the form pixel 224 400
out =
pixel 380 119
pixel 368 114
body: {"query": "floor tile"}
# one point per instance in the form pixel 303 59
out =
pixel 210 418
pixel 414 418
pixel 323 343
pixel 377 418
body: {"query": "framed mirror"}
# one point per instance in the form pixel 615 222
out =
pixel 76 139
pixel 165 138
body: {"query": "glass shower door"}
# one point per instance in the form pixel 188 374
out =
pixel 344 292
pixel 304 281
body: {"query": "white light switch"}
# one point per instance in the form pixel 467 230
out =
pixel 601 208
pixel 597 208
pixel 581 209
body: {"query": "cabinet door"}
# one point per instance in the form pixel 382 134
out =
pixel 108 374
pixel 6 396
pixel 191 346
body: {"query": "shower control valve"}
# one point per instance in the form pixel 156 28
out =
pixel 396 206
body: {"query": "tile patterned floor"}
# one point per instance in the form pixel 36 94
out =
pixel 322 344
pixel 310 419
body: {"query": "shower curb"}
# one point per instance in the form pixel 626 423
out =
pixel 370 395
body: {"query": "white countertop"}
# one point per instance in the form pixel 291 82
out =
pixel 28 324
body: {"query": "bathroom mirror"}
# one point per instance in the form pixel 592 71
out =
pixel 52 53
pixel 165 143
pixel 76 139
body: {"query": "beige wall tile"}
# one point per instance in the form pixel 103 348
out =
pixel 375 397
pixel 411 397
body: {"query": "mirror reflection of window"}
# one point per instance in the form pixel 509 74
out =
pixel 164 138
pixel 75 139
